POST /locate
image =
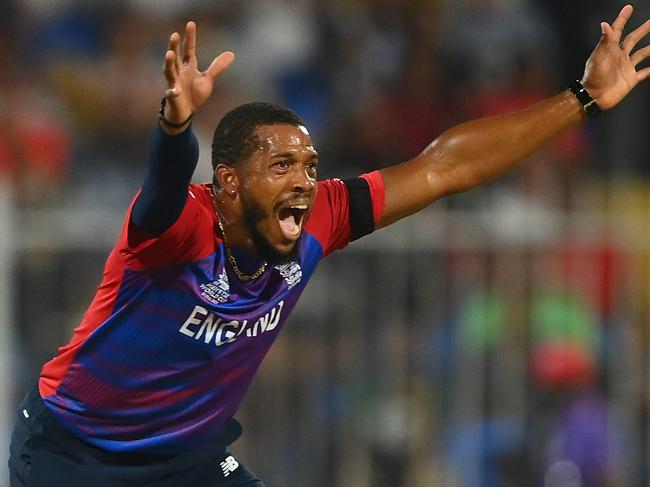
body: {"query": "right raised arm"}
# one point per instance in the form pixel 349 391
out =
pixel 481 150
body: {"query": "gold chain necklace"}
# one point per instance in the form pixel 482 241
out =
pixel 231 258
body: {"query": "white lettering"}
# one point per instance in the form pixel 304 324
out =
pixel 243 327
pixel 267 322
pixel 209 328
pixel 275 317
pixel 192 320
pixel 226 336
pixel 261 322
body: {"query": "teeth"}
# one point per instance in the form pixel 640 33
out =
pixel 299 207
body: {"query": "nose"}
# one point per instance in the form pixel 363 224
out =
pixel 301 180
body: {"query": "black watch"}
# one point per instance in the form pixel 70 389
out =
pixel 588 103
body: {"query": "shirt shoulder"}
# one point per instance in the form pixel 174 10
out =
pixel 340 207
pixel 190 238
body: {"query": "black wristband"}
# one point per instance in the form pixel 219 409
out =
pixel 588 103
pixel 161 116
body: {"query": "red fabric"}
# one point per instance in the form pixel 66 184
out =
pixel 100 309
pixel 329 220
pixel 377 193
pixel 191 237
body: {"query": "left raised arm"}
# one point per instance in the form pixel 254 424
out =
pixel 481 150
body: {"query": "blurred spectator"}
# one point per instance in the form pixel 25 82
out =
pixel 483 39
pixel 35 145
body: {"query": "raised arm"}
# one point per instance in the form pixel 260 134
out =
pixel 481 150
pixel 173 151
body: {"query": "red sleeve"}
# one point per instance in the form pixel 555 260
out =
pixel 377 193
pixel 329 221
pixel 190 238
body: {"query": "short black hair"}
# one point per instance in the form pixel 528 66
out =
pixel 234 140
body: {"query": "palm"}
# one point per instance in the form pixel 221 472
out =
pixel 195 87
pixel 201 90
pixel 189 87
pixel 610 72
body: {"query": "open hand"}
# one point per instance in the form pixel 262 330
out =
pixel 611 70
pixel 189 88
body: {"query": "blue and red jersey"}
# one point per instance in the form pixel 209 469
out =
pixel 170 344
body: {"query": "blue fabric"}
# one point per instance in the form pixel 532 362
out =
pixel 173 362
pixel 43 453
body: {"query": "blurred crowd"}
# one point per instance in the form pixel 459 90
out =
pixel 376 81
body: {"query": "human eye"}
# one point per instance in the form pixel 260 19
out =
pixel 282 165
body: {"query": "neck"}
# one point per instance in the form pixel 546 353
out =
pixel 234 265
pixel 235 233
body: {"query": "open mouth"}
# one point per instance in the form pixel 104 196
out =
pixel 291 219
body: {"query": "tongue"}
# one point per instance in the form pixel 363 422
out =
pixel 288 225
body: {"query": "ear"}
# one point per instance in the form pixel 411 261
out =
pixel 226 178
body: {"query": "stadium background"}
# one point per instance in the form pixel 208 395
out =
pixel 499 338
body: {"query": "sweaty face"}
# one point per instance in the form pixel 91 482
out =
pixel 278 188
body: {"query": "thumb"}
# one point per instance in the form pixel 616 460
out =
pixel 219 65
pixel 607 35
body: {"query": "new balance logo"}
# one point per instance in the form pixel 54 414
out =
pixel 229 465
